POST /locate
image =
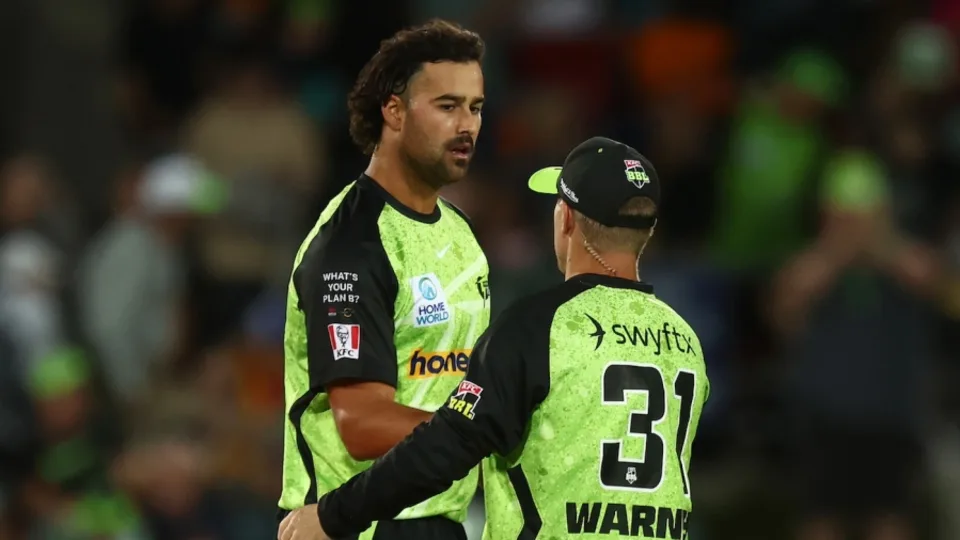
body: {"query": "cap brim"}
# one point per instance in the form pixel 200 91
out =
pixel 545 180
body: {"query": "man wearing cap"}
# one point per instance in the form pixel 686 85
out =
pixel 582 401
pixel 132 278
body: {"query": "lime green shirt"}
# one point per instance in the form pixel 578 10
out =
pixel 378 293
pixel 582 402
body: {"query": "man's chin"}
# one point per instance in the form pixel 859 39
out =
pixel 457 171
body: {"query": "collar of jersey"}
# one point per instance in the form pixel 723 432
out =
pixel 368 182
pixel 614 282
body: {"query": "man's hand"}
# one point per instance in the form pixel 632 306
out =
pixel 798 285
pixel 302 524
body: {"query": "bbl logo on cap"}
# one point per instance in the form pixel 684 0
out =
pixel 636 175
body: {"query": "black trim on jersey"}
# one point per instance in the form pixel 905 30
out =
pixel 369 183
pixel 297 411
pixel 532 522
pixel 348 253
pixel 614 282
pixel 348 243
pixel 508 378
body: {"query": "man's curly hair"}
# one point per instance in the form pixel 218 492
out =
pixel 389 71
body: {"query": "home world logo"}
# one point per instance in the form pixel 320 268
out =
pixel 430 306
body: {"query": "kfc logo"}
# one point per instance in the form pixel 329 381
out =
pixel 344 340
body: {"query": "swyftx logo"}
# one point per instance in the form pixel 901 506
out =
pixel 662 339
pixel 429 301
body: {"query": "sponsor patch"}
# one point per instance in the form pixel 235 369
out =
pixel 424 364
pixel 345 340
pixel 483 288
pixel 466 398
pixel 430 306
pixel 635 173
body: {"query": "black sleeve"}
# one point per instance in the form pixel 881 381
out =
pixel 347 289
pixel 507 379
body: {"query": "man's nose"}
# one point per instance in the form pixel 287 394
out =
pixel 469 124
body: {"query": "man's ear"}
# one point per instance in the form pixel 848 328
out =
pixel 568 219
pixel 393 111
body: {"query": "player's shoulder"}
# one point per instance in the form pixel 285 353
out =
pixel 446 203
pixel 537 310
pixel 655 307
pixel 459 214
pixel 352 215
pixel 347 233
pixel 669 314
pixel 527 323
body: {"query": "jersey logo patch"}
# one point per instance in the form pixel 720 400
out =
pixel 430 305
pixel 483 288
pixel 635 173
pixel 597 331
pixel 465 400
pixel 424 364
pixel 345 340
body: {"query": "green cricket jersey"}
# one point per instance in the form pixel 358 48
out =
pixel 378 293
pixel 582 401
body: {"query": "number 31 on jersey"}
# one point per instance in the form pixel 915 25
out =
pixel 620 379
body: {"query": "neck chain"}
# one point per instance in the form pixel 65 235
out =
pixel 593 253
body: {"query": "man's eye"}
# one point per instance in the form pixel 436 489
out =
pixel 448 107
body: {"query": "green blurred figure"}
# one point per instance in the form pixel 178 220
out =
pixel 71 495
pixel 769 177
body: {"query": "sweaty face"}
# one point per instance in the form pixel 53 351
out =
pixel 442 120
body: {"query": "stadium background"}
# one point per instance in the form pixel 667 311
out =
pixel 140 352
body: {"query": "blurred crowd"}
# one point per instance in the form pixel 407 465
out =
pixel 161 160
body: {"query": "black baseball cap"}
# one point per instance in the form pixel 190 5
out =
pixel 598 177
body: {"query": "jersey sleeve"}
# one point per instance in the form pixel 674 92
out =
pixel 347 289
pixel 508 377
pixel 488 412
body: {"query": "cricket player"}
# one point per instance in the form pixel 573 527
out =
pixel 582 401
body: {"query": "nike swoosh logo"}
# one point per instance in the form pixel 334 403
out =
pixel 443 252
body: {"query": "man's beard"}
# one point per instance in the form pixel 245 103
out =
pixel 434 173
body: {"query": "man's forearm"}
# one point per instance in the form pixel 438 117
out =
pixel 820 265
pixel 419 467
pixel 910 262
pixel 373 431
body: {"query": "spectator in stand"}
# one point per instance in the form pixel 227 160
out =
pixel 132 282
pixel 852 308
pixel 260 142
pixel 31 306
